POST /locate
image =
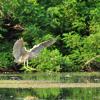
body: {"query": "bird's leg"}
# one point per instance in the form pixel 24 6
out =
pixel 24 63
pixel 27 63
pixel 28 67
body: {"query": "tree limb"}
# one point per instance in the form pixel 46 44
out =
pixel 89 61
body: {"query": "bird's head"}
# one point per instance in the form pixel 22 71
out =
pixel 22 41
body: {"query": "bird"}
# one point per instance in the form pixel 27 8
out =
pixel 23 55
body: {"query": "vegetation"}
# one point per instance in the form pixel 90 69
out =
pixel 76 22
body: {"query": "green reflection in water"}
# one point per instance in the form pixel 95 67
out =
pixel 55 77
pixel 51 94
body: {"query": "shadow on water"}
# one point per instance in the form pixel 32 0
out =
pixel 51 94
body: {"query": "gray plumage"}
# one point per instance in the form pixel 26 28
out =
pixel 22 55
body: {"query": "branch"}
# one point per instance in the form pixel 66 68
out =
pixel 92 59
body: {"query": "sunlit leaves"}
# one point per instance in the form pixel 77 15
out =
pixel 72 40
pixel 48 61
pixel 77 23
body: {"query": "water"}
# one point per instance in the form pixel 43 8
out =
pixel 51 93
pixel 55 77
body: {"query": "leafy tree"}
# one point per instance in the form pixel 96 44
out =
pixel 77 23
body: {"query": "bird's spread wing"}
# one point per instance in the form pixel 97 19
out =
pixel 18 48
pixel 37 48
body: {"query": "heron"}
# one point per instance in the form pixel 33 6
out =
pixel 23 55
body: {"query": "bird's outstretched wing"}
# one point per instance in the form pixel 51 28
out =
pixel 18 48
pixel 37 48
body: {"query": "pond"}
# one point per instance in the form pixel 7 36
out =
pixel 50 94
pixel 50 86
pixel 77 77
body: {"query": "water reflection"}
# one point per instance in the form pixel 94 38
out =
pixel 51 94
pixel 55 77
pixel 31 98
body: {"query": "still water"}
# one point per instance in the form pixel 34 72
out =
pixel 52 93
pixel 76 77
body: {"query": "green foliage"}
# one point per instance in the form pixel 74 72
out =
pixel 47 61
pixel 6 59
pixel 81 49
pixel 93 43
pixel 77 23
pixel 72 40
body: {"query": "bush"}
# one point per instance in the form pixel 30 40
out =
pixel 77 23
pixel 81 50
pixel 47 61
pixel 6 60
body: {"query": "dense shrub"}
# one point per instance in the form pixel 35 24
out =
pixel 77 23
pixel 81 49
pixel 6 58
pixel 48 61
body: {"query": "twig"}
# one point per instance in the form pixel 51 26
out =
pixel 89 61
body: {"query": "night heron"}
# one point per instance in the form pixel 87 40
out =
pixel 22 55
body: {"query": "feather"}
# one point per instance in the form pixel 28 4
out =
pixel 22 55
pixel 18 48
pixel 37 48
